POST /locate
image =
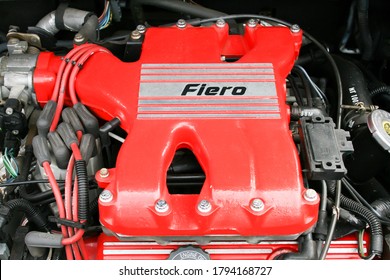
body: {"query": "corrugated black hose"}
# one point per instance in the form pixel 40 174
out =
pixel 376 246
pixel 32 214
pixel 83 192
pixel 382 89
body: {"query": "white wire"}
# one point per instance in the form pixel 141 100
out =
pixel 319 92
pixel 116 137
pixel 50 254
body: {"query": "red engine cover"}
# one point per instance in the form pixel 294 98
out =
pixel 183 94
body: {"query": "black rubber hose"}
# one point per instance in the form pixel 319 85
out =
pixel 83 192
pixel 32 214
pixel 355 88
pixel 376 244
pixel 364 28
pixel 88 30
pixel 172 5
pixel 382 207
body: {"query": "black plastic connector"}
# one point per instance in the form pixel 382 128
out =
pixel 12 119
pixel 67 134
pixel 46 118
pixel 60 151
pixel 89 121
pixel 87 147
pixel 69 115
pixel 41 150
pixel 322 147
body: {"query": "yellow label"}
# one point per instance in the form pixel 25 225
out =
pixel 386 126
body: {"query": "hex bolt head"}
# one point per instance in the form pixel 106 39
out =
pixel 310 195
pixel 257 205
pixel 204 206
pixel 105 196
pixel 9 111
pixel 220 23
pixel 79 38
pixel 104 173
pixel 252 23
pixel 135 35
pixel 161 206
pixel 295 28
pixel 141 28
pixel 181 23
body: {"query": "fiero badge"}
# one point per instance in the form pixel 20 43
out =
pixel 203 89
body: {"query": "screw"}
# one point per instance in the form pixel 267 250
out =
pixel 181 23
pixel 105 196
pixel 9 111
pixel 161 206
pixel 15 132
pixel 257 205
pixel 220 23
pixel 252 23
pixel 79 38
pixel 310 195
pixel 204 206
pixel 135 35
pixel 104 173
pixel 141 28
pixel 295 28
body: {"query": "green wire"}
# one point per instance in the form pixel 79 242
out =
pixel 8 165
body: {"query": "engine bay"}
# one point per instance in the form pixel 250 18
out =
pixel 183 130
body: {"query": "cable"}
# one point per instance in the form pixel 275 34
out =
pixel 332 226
pixel 80 62
pixel 357 196
pixel 308 36
pixel 60 204
pixel 374 223
pixel 319 92
pixel 30 182
pixel 306 85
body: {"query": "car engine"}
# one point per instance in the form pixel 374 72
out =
pixel 142 129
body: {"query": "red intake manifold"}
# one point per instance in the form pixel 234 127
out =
pixel 182 93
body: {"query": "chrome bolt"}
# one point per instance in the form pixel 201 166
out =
pixel 204 206
pixel 79 38
pixel 9 111
pixel 257 205
pixel 15 132
pixel 141 28
pixel 295 28
pixel 220 23
pixel 181 23
pixel 310 195
pixel 105 196
pixel 161 206
pixel 135 35
pixel 13 41
pixel 252 23
pixel 104 173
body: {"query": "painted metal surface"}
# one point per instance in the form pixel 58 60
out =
pixel 242 142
